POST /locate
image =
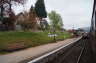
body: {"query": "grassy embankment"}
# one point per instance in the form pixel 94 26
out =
pixel 10 41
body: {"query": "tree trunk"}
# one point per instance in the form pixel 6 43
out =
pixel 2 9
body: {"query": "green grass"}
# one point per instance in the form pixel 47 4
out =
pixel 29 39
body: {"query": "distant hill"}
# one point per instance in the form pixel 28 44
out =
pixel 86 29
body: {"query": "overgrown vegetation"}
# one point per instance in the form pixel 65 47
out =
pixel 11 41
pixel 33 21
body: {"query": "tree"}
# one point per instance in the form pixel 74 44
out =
pixel 40 9
pixel 30 22
pixel 44 24
pixel 6 7
pixel 56 20
pixel 7 4
pixel 9 21
pixel 32 18
pixel 27 20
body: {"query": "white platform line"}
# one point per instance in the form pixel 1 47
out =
pixel 43 56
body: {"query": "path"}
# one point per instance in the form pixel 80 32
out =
pixel 33 52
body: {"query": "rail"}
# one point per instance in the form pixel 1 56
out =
pixel 49 57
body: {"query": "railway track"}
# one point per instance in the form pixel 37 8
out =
pixel 78 52
pixel 82 51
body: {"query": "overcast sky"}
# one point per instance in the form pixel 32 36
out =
pixel 75 13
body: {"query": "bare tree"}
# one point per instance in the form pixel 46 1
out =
pixel 6 9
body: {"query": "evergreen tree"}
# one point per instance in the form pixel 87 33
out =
pixel 40 9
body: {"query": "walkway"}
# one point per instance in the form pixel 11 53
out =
pixel 33 52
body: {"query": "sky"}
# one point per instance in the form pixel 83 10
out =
pixel 75 13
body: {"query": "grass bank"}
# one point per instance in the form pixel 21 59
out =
pixel 11 41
